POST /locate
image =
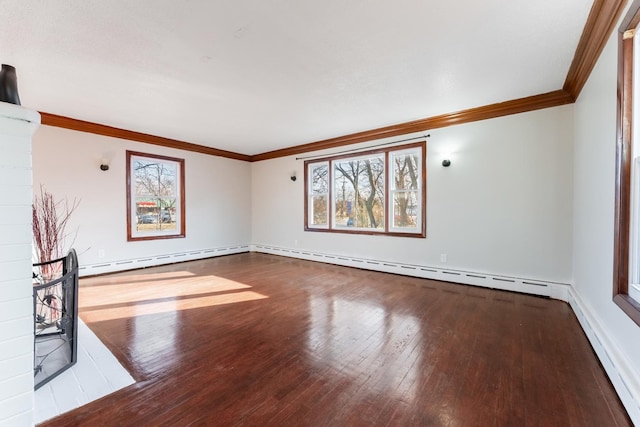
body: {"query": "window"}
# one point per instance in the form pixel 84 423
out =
pixel 155 197
pixel 372 192
pixel 626 262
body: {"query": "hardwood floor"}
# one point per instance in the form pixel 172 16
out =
pixel 255 339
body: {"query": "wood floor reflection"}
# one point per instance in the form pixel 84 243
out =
pixel 255 339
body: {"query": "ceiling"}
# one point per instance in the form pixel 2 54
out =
pixel 251 76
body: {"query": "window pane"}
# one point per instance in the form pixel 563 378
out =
pixel 359 193
pixel 155 178
pixel 406 171
pixel 155 196
pixel 405 209
pixel 320 180
pixel 155 214
pixel 155 188
pixel 634 292
pixel 319 210
pixel 319 195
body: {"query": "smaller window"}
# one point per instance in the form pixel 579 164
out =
pixel 405 190
pixel 155 197
pixel 371 192
pixel 318 202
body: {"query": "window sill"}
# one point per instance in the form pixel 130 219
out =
pixel 629 306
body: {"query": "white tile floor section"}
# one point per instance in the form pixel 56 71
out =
pixel 96 374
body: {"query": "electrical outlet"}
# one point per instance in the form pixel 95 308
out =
pixel 443 257
pixel 100 253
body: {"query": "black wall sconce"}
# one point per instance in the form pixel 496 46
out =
pixel 446 163
pixel 104 164
pixel 293 177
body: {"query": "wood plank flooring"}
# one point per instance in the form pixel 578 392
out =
pixel 261 340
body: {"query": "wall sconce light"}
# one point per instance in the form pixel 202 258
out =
pixel 293 177
pixel 446 163
pixel 104 165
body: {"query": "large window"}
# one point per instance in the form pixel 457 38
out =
pixel 372 192
pixel 155 197
pixel 626 286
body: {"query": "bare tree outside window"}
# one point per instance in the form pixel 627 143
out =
pixel 359 189
pixel 155 196
pixel 405 192
pixel 381 191
pixel 319 195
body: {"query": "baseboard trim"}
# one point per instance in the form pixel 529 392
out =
pixel 548 289
pixel 157 260
pixel 624 378
pixel 620 371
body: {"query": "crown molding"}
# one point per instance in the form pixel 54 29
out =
pixel 98 129
pixel 530 103
pixel 602 19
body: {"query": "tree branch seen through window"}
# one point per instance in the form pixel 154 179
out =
pixel 372 192
pixel 155 197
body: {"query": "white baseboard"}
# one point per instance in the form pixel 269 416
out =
pixel 623 376
pixel 621 373
pixel 156 260
pixel 494 281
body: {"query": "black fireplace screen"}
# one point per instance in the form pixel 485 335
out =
pixel 55 314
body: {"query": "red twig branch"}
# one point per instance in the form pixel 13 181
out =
pixel 50 220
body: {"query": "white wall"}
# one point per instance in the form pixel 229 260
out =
pixel 218 197
pixel 16 302
pixel 503 207
pixel 594 166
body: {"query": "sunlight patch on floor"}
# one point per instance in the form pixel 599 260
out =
pixel 92 296
pixel 140 309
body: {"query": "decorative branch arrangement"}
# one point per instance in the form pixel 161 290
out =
pixel 50 220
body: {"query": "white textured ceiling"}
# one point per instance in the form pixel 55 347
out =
pixel 252 76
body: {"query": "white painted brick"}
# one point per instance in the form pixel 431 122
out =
pixel 16 328
pixel 16 270
pixel 13 176
pixel 16 214
pixel 21 420
pixel 17 366
pixel 13 134
pixel 15 159
pixel 17 125
pixel 21 382
pixel 45 404
pixel 12 129
pixel 68 392
pixel 15 252
pixel 15 310
pixel 17 347
pixel 11 290
pixel 16 405
pixel 15 234
pixel 13 195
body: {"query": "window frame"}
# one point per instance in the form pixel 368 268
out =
pixel 392 190
pixel 387 230
pixel 309 195
pixel 624 199
pixel 180 220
